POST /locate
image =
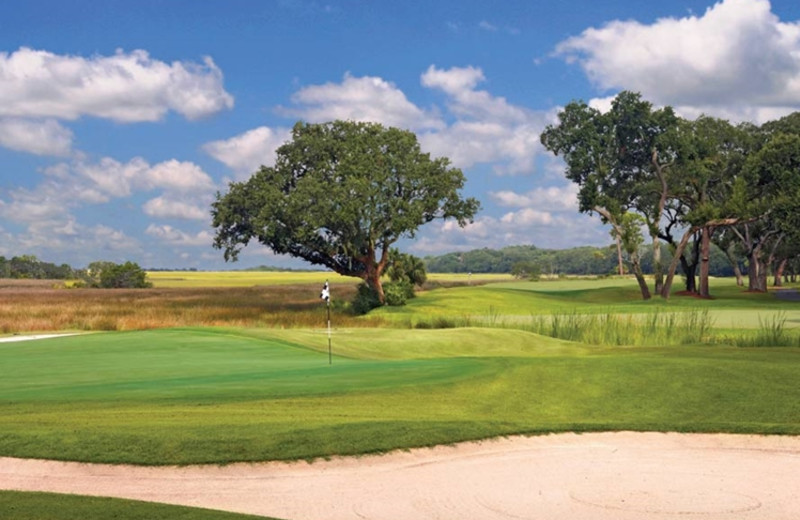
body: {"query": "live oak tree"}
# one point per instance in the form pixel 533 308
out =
pixel 707 187
pixel 340 194
pixel 773 179
pixel 620 160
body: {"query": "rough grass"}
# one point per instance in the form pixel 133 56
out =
pixel 35 309
pixel 15 505
pixel 198 395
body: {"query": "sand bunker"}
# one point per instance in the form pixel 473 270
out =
pixel 591 476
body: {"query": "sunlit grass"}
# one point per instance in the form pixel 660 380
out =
pixel 199 395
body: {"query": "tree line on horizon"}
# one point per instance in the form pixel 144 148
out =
pixel 526 260
pixel 688 184
pixel 100 274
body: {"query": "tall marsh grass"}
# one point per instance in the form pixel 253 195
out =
pixel 694 327
pixel 772 332
pixel 655 329
pixel 38 308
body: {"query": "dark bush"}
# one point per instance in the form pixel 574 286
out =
pixel 365 300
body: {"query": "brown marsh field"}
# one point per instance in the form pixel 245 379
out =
pixel 191 299
pixel 38 306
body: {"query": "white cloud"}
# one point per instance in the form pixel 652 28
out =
pixel 173 236
pixel 453 81
pixel 47 210
pixel 245 153
pixel 125 87
pixel 736 60
pixel 65 237
pixel 176 175
pixel 551 198
pixel 45 137
pixel 526 226
pixel 602 104
pixel 118 179
pixel 528 216
pixel 488 129
pixel 486 26
pixel 360 99
pixel 164 207
pixel 466 102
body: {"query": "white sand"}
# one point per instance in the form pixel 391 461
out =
pixel 13 339
pixel 585 477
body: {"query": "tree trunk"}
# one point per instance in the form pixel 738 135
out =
pixel 373 279
pixel 619 256
pixel 675 260
pixel 705 257
pixel 755 280
pixel 637 271
pixel 658 270
pixel 374 271
pixel 779 273
pixel 690 271
pixel 735 264
pixel 690 268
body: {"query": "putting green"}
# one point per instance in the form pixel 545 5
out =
pixel 185 396
pixel 196 365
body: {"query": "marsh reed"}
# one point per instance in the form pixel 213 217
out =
pixel 36 307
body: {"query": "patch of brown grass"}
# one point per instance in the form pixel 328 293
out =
pixel 39 307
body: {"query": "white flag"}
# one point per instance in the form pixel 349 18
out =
pixel 326 292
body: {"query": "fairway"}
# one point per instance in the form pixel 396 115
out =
pixel 180 396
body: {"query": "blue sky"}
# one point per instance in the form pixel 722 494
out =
pixel 119 120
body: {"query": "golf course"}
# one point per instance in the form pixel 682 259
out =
pixel 458 363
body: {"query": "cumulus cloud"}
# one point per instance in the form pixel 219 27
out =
pixel 173 236
pixel 487 129
pixel 165 207
pixel 737 60
pixel 366 98
pixel 65 237
pixel 528 216
pixel 117 179
pixel 467 102
pixel 245 153
pixel 45 137
pixel 125 87
pixel 551 198
pixel 47 210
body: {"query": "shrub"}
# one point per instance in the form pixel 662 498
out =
pixel 365 300
pixel 108 275
pixel 398 293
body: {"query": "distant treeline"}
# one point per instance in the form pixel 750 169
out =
pixel 100 274
pixel 575 261
pixel 30 267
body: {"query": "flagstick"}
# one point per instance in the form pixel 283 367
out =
pixel 329 332
pixel 326 295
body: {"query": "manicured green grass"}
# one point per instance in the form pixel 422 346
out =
pixel 16 505
pixel 731 307
pixel 200 395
